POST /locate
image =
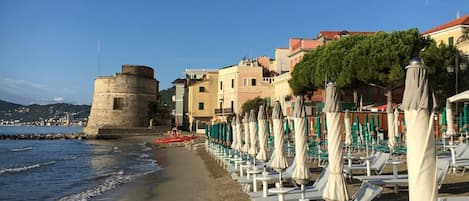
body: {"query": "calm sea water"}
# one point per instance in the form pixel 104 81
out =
pixel 69 169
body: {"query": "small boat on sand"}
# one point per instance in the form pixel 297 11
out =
pixel 172 139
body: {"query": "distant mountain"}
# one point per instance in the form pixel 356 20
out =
pixel 31 113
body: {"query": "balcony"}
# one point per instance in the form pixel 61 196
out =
pixel 224 111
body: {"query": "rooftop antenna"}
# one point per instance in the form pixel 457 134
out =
pixel 99 57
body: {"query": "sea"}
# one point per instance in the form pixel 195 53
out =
pixel 68 169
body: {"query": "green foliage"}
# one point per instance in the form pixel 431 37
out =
pixel 252 104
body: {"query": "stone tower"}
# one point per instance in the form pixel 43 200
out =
pixel 122 101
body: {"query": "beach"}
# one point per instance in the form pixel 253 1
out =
pixel 191 173
pixel 187 174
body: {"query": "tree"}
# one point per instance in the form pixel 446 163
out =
pixel 382 56
pixel 252 104
pixel 301 81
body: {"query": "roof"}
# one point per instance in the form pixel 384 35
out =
pixel 330 35
pixel 464 20
pixel 179 81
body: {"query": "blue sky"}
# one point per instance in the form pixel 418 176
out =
pixel 48 49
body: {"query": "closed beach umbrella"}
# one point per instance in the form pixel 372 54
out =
pixel 279 162
pixel 348 129
pixel 253 133
pixel 234 144
pixel 246 133
pixel 261 118
pixel 391 128
pixel 239 143
pixel 449 119
pixel 318 127
pixel 335 188
pixel 460 122
pixel 418 102
pixel 301 172
pixel 465 116
pixel 287 128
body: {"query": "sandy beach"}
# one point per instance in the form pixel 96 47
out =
pixel 187 174
pixel 192 174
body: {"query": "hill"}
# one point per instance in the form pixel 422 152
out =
pixel 37 113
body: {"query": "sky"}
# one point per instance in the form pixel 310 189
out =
pixel 49 49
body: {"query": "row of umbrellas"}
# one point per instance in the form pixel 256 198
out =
pixel 418 104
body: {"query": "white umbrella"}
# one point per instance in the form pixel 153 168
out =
pixel 234 144
pixel 348 129
pixel 253 133
pixel 391 127
pixel 301 172
pixel 417 103
pixel 239 143
pixel 461 97
pixel 335 188
pixel 246 133
pixel 449 121
pixel 261 118
pixel 279 162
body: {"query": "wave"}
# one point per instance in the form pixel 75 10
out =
pixel 21 149
pixel 26 168
pixel 110 183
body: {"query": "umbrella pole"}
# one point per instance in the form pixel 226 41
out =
pixel 302 193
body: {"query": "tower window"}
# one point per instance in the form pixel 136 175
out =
pixel 118 104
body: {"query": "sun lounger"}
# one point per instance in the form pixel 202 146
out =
pixel 377 164
pixel 442 170
pixel 311 192
pixel 459 198
pixel 367 192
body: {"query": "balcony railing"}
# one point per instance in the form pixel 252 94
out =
pixel 224 111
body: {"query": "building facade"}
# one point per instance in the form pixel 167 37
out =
pixel 122 100
pixel 202 99
pixel 453 33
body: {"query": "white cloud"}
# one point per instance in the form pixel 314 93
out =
pixel 58 99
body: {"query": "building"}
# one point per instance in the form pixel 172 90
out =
pixel 239 83
pixel 122 101
pixel 202 99
pixel 181 111
pixel 452 33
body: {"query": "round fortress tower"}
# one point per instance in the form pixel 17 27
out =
pixel 122 101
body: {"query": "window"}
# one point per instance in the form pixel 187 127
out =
pixel 245 82
pixel 201 89
pixel 232 83
pixel 232 105
pixel 201 106
pixel 221 85
pixel 118 104
pixel 253 82
pixel 450 41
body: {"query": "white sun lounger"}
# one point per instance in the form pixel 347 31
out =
pixel 442 170
pixel 377 164
pixel 311 192
pixel 459 198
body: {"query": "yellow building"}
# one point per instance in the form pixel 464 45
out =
pixel 237 84
pixel 202 99
pixel 453 33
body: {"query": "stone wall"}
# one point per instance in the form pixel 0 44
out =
pixel 121 101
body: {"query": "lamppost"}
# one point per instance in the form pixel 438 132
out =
pixel 455 69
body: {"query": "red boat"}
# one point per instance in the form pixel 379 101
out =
pixel 172 139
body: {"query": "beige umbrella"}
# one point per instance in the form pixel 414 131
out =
pixel 246 133
pixel 279 162
pixel 449 121
pixel 253 133
pixel 239 143
pixel 348 129
pixel 417 103
pixel 261 119
pixel 301 172
pixel 335 188
pixel 391 127
pixel 234 144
